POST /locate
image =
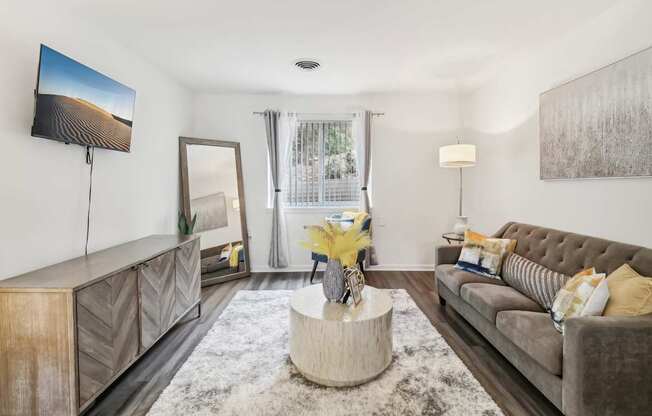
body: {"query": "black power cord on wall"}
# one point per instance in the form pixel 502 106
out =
pixel 90 159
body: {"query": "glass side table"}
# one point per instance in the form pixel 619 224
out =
pixel 453 238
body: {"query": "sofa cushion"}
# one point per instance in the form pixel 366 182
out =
pixel 534 333
pixel 454 278
pixel 490 299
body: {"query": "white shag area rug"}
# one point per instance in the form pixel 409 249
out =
pixel 242 367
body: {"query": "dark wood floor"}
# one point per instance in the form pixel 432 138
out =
pixel 135 392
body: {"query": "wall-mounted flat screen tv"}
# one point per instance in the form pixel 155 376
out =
pixel 76 104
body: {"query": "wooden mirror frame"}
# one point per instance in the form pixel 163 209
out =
pixel 185 198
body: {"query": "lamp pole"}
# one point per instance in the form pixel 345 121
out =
pixel 460 210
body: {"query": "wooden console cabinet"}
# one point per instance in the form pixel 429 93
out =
pixel 69 330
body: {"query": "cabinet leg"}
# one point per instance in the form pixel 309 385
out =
pixel 442 301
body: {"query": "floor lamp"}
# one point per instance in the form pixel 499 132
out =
pixel 458 156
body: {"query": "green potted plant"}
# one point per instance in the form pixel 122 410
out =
pixel 185 227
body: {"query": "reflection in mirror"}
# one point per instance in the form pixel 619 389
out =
pixel 212 190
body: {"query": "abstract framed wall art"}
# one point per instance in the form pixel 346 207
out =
pixel 599 125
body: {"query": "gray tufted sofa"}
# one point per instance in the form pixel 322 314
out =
pixel 601 365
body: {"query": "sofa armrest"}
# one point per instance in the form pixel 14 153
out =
pixel 447 254
pixel 501 231
pixel 607 366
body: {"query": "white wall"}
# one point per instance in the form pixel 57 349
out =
pixel 44 184
pixel 502 119
pixel 43 189
pixel 414 200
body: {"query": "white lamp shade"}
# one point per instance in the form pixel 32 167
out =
pixel 457 156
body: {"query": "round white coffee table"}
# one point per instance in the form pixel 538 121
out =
pixel 340 345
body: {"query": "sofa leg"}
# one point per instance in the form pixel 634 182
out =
pixel 442 301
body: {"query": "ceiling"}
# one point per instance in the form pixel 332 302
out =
pixel 364 46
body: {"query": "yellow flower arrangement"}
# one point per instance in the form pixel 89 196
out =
pixel 336 243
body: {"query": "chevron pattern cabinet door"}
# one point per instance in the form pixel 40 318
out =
pixel 188 276
pixel 124 287
pixel 94 338
pixel 168 295
pixel 107 331
pixel 156 286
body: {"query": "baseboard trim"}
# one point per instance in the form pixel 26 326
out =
pixel 380 267
pixel 403 267
pixel 290 268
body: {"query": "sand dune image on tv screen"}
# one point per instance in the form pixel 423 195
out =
pixel 81 122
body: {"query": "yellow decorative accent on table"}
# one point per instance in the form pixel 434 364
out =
pixel 338 244
pixel 631 293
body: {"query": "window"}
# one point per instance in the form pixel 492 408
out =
pixel 322 167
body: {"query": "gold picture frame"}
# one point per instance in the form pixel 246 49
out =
pixel 355 282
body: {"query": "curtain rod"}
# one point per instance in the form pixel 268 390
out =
pixel 260 113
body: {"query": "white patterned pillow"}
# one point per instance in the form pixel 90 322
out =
pixel 533 280
pixel 586 294
pixel 483 255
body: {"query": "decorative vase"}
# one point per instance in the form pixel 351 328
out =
pixel 333 283
pixel 461 225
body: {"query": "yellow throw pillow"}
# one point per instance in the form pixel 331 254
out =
pixel 586 294
pixel 631 293
pixel 484 255
pixel 234 257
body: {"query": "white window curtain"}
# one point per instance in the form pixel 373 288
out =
pixel 363 121
pixel 279 127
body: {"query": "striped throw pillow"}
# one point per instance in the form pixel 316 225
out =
pixel 533 280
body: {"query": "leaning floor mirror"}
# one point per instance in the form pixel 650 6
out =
pixel 213 200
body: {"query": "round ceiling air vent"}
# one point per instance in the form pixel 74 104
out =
pixel 307 64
